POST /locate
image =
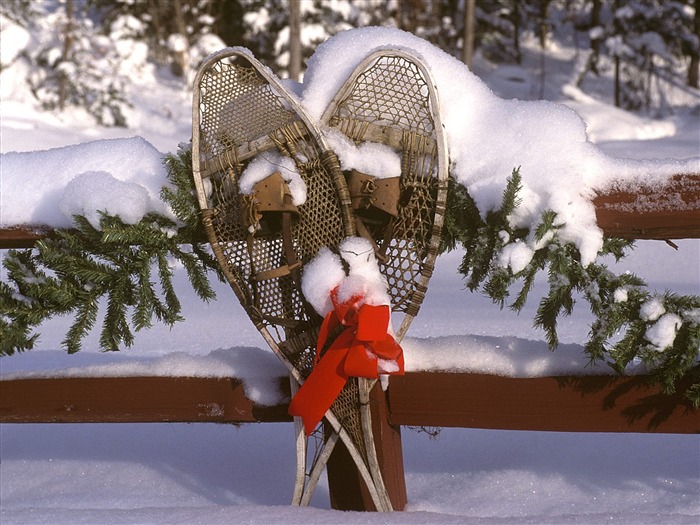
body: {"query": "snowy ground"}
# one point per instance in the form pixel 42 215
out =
pixel 202 473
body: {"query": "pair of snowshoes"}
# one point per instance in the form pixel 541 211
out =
pixel 304 243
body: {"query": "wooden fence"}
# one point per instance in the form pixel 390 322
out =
pixel 574 403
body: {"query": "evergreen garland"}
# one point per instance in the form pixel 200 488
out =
pixel 117 265
pixel 625 312
pixel 78 270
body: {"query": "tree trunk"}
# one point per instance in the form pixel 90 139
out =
pixel 517 21
pixel 617 82
pixel 294 40
pixel 468 39
pixel 693 71
pixel 159 37
pixel 543 30
pixel 616 5
pixel 694 67
pixel 409 12
pixel 595 42
pixel 181 58
pixel 65 54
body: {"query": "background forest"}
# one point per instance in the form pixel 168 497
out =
pixel 89 53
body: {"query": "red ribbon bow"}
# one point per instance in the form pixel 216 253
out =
pixel 355 353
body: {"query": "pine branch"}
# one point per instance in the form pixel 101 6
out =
pixel 618 335
pixel 116 264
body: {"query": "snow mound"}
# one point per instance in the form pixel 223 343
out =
pixel 502 356
pixel 118 176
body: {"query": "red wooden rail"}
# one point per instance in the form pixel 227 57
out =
pixel 671 211
pixel 575 403
pixel 566 404
pixel 563 404
pixel 133 400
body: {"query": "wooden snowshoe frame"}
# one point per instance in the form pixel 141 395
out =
pixel 241 111
pixel 391 99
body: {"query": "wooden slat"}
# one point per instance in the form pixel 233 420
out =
pixel 133 400
pixel 16 238
pixel 570 404
pixel 652 212
pixel 573 404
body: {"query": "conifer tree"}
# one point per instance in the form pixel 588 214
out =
pixel 74 65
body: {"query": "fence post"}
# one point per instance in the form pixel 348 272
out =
pixel 347 490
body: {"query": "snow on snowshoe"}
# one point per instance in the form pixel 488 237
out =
pixel 272 196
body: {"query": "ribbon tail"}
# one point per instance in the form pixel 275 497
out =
pixel 321 388
pixel 328 324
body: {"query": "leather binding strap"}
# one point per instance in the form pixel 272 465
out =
pixel 375 203
pixel 267 210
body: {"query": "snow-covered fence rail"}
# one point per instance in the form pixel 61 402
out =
pixel 133 399
pixel 22 237
pixel 671 211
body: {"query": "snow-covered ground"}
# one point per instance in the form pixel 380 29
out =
pixel 200 473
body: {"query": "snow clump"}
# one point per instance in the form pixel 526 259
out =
pixel 652 309
pixel 265 165
pixel 325 273
pixel 120 176
pixel 663 332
